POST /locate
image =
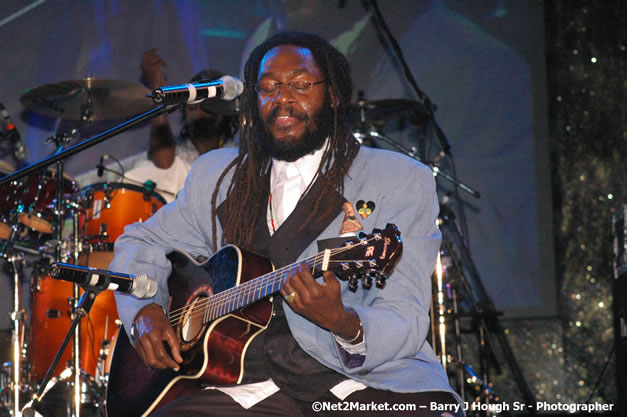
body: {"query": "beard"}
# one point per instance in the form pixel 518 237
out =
pixel 316 133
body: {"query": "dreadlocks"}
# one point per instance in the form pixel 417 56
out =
pixel 246 196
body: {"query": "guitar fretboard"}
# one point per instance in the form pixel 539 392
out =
pixel 247 293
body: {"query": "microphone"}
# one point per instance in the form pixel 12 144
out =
pixel 100 165
pixel 19 148
pixel 226 88
pixel 140 286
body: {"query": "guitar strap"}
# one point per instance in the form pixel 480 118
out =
pixel 275 353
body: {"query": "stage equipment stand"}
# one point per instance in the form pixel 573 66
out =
pixel 76 340
pixel 18 319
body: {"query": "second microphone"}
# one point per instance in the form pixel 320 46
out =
pixel 225 88
pixel 140 286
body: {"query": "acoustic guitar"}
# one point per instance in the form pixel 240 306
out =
pixel 219 306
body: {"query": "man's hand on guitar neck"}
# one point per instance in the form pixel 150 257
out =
pixel 151 329
pixel 322 303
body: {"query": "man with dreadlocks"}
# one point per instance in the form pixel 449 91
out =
pixel 287 194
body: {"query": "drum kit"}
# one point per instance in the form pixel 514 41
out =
pixel 34 211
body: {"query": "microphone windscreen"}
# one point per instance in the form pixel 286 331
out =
pixel 232 87
pixel 144 287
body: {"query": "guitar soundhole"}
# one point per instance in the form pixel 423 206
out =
pixel 192 324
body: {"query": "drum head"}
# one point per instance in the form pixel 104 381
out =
pixel 103 186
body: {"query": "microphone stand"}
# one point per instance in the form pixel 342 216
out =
pixel 82 309
pixel 150 114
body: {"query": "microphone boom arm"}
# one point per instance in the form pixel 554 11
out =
pixel 90 142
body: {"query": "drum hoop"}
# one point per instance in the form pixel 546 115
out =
pixel 100 186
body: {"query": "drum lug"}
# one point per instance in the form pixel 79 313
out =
pixel 103 232
pixel 88 200
pixel 107 197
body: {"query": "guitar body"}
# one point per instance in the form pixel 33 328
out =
pixel 213 352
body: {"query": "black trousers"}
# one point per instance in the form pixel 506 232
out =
pixel 369 402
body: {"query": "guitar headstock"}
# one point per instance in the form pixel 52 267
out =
pixel 367 256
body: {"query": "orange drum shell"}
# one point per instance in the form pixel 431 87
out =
pixel 50 298
pixel 127 204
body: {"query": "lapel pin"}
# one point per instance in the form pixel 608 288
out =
pixel 365 209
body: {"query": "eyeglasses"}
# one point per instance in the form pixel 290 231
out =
pixel 269 88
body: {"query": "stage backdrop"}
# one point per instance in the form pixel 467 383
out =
pixel 481 63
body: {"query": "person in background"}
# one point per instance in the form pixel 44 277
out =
pixel 206 126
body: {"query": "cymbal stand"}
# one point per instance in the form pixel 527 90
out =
pixel 57 231
pixel 18 318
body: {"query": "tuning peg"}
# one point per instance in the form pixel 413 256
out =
pixel 381 280
pixel 352 283
pixel 366 281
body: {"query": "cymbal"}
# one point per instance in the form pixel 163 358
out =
pixel 110 99
pixel 378 112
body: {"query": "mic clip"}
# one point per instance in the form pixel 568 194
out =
pixel 149 189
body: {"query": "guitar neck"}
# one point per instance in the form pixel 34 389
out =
pixel 233 299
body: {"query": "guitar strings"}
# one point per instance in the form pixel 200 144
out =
pixel 228 296
pixel 260 282
pixel 235 294
pixel 218 303
pixel 231 295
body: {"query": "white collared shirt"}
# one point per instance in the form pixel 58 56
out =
pixel 293 178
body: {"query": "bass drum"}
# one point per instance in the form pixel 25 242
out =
pixel 51 320
pixel 109 208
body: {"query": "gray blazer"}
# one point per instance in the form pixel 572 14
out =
pixel 395 319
